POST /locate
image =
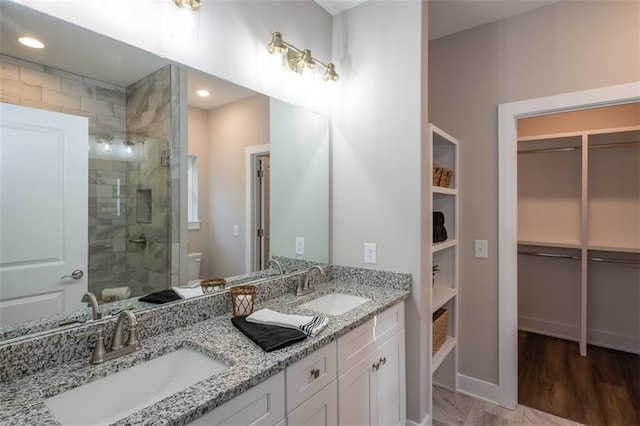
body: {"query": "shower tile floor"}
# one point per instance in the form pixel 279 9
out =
pixel 453 409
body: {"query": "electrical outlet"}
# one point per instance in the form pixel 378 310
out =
pixel 370 255
pixel 299 245
pixel 480 249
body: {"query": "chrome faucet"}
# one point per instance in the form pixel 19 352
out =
pixel 118 348
pixel 90 299
pixel 274 263
pixel 304 286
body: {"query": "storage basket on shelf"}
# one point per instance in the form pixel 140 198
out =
pixel 445 177
pixel 440 326
pixel 242 299
pixel 437 172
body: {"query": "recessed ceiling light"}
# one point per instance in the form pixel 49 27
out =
pixel 31 42
pixel 202 92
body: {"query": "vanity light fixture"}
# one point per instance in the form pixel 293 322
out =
pixel 298 60
pixel 192 5
pixel 31 42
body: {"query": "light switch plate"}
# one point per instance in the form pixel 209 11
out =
pixel 370 255
pixel 236 230
pixel 299 245
pixel 480 249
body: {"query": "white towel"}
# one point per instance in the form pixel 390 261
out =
pixel 308 324
pixel 188 293
pixel 118 293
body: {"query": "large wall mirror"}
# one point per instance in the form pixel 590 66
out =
pixel 258 175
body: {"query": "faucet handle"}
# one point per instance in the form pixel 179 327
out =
pixel 99 350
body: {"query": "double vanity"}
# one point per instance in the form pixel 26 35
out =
pixel 207 372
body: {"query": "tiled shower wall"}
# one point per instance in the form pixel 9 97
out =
pixel 141 113
pixel 32 85
pixel 149 104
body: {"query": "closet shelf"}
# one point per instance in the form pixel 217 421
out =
pixel 558 244
pixel 613 247
pixel 590 258
pixel 442 353
pixel 444 245
pixel 441 295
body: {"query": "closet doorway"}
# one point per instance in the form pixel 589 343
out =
pixel 578 185
pixel 506 392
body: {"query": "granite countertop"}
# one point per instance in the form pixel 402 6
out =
pixel 22 400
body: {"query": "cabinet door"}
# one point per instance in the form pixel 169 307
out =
pixel 261 405
pixel 355 394
pixel 389 382
pixel 320 409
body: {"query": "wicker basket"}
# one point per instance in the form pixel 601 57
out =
pixel 242 299
pixel 445 177
pixel 437 172
pixel 212 285
pixel 440 319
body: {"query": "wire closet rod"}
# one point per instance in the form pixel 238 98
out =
pixel 568 256
pixel 575 148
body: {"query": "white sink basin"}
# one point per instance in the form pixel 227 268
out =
pixel 335 303
pixel 114 397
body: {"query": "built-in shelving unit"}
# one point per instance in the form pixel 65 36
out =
pixel 442 149
pixel 579 236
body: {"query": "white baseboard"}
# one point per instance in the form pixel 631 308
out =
pixel 425 422
pixel 549 328
pixel 605 339
pixel 620 342
pixel 479 389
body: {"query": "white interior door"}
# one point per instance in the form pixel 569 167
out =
pixel 43 212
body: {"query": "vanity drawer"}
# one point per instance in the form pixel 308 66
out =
pixel 357 344
pixel 312 373
pixel 262 404
pixel 388 323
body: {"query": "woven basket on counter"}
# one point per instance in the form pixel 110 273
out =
pixel 242 299
pixel 211 285
pixel 440 326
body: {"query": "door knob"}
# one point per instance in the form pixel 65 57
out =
pixel 76 275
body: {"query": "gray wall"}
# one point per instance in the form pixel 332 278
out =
pixel 228 130
pixel 299 141
pixel 565 47
pixel 376 159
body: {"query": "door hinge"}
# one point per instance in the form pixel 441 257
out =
pixel 260 233
pixel 260 173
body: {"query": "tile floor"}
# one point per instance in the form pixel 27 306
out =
pixel 454 409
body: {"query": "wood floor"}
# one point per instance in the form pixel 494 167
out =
pixel 600 389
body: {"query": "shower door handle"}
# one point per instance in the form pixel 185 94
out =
pixel 76 275
pixel 142 240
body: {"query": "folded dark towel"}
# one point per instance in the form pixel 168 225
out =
pixel 268 337
pixel 162 296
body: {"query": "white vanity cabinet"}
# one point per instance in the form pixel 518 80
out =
pixel 371 368
pixel 358 380
pixel 263 404
pixel 312 395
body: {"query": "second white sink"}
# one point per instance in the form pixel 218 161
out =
pixel 117 396
pixel 335 303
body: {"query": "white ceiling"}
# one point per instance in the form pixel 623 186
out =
pixel 111 61
pixel 451 16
